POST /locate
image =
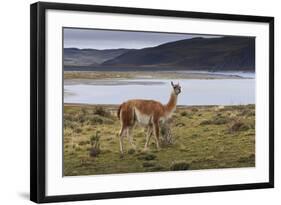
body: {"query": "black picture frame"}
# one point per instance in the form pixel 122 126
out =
pixel 38 103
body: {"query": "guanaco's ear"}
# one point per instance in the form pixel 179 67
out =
pixel 172 83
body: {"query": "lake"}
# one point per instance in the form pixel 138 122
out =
pixel 194 91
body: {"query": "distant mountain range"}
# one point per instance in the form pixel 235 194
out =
pixel 89 57
pixel 210 54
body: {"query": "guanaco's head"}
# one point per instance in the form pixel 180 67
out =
pixel 176 87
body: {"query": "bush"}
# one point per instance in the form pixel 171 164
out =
pixel 205 122
pixel 101 111
pixel 131 151
pixel 166 134
pixel 94 140
pixel 247 113
pixel 81 143
pixel 94 152
pixel 179 165
pixel 96 119
pixel 238 126
pixel 78 117
pixel 70 124
pixel 219 120
pixel 68 117
pixel 147 156
pixel 77 130
pixel 194 109
pixel 148 164
pixel 184 113
pixel 84 111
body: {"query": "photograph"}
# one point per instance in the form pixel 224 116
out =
pixel 143 101
pixel 134 102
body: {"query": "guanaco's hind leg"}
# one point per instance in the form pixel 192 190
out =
pixel 129 135
pixel 121 137
pixel 156 133
pixel 148 135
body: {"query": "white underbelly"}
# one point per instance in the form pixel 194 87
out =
pixel 143 118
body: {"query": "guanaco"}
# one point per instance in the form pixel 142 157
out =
pixel 149 113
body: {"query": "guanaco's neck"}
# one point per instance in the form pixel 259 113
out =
pixel 171 105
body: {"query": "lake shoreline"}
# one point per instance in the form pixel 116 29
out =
pixel 115 106
pixel 106 75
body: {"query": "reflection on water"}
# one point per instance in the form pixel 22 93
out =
pixel 194 92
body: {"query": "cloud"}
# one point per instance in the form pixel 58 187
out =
pixel 112 39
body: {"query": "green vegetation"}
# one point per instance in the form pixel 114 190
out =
pixel 203 137
pixel 95 143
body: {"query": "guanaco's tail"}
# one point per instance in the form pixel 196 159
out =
pixel 119 110
pixel 126 112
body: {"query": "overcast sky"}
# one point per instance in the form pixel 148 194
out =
pixel 109 39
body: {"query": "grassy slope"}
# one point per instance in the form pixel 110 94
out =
pixel 204 138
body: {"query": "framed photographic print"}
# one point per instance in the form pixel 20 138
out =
pixel 129 102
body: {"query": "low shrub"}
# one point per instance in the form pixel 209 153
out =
pixel 81 143
pixel 183 113
pixel 70 124
pixel 131 151
pixel 95 143
pixel 148 164
pixel 238 126
pixel 217 120
pixel 205 122
pixel 77 130
pixel 179 165
pixel 96 119
pixel 94 152
pixel 147 156
pixel 166 134
pixel 194 109
pixel 247 113
pixel 99 110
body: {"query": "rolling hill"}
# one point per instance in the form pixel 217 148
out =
pixel 223 54
pixel 89 57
